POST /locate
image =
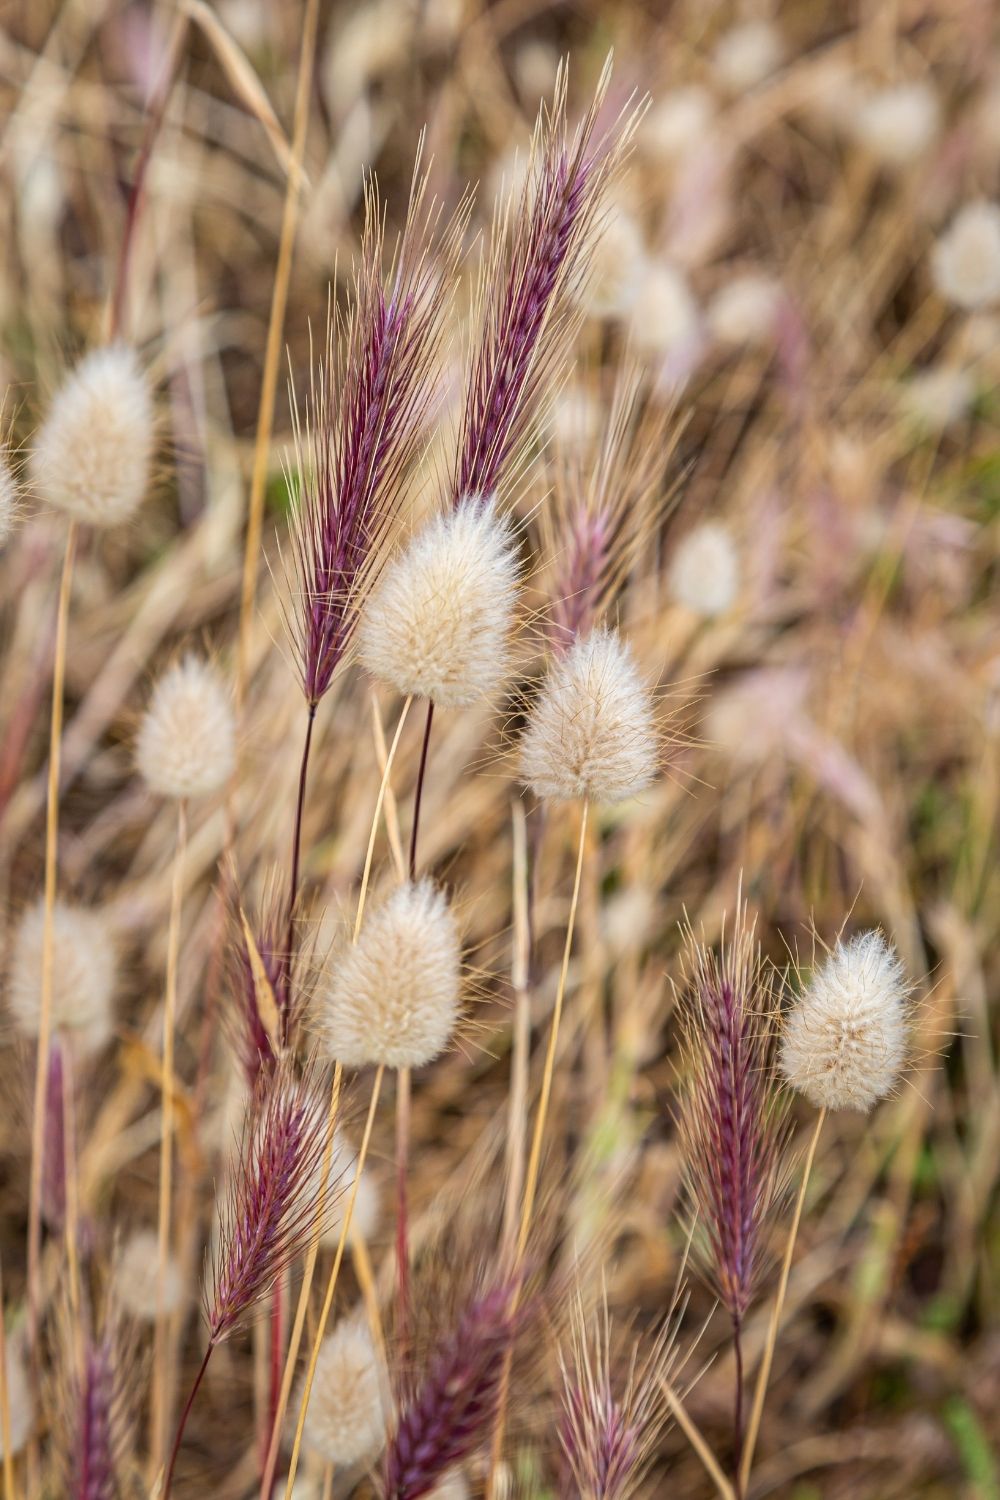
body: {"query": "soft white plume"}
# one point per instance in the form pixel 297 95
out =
pixel 84 972
pixel 966 259
pixel 187 739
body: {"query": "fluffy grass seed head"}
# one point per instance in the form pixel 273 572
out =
pixel 846 1041
pixel 137 1289
pixel 440 622
pixel 394 995
pixel 664 318
pixel 745 310
pixel 897 124
pixel 747 54
pixel 966 259
pixel 9 503
pixel 92 454
pixel 84 965
pixel 20 1406
pixel 187 741
pixel 677 123
pixel 592 731
pixel 705 570
pixel 346 1417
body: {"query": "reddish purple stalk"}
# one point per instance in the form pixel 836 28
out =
pixel 580 587
pixel 454 1408
pixel 54 1157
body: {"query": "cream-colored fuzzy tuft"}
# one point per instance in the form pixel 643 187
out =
pixel 616 268
pixel 678 123
pixel 187 740
pixel 92 454
pixel 939 397
pixel 20 1407
pixel 748 54
pixel 705 571
pixel 664 317
pixel 592 732
pixel 897 124
pixel 745 310
pixel 346 1418
pixel 343 1170
pixel 9 503
pixel 966 259
pixel 137 1281
pixel 394 995
pixel 846 1041
pixel 84 966
pixel 453 1486
pixel 439 624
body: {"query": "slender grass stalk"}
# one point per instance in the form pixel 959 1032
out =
pixel 402 1213
pixel 698 1443
pixel 332 1283
pixel 521 1038
pixel 418 794
pixel 295 1339
pixel 763 1375
pixel 159 1415
pixel 9 1484
pixel 272 354
pixel 182 1424
pixel 70 1194
pixel 45 1005
pixel 537 1140
pixel 365 1274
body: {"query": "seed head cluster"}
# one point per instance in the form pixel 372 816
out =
pixel 705 570
pixel 846 1041
pixel 84 972
pixel 187 739
pixel 92 454
pixel 592 731
pixel 394 995
pixel 966 259
pixel 440 622
pixel 346 1417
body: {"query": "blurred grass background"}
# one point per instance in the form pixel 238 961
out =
pixel 846 707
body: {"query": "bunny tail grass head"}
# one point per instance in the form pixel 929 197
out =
pixel 592 731
pixel 394 995
pixel 705 570
pixel 346 1417
pixel 138 1288
pixel 731 1124
pixel 9 496
pixel 20 1403
pixel 187 739
pixel 966 259
pixel 440 623
pixel 369 404
pixel 846 1041
pixel 84 973
pixel 92 454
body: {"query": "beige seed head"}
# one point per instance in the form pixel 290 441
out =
pixel 137 1283
pixel 745 310
pixel 966 259
pixel 346 1419
pixel 678 123
pixel 84 968
pixel 705 570
pixel 845 1042
pixel 394 995
pixel 897 124
pixel 592 731
pixel 664 317
pixel 440 622
pixel 92 454
pixel 187 739
pixel 20 1407
pixel 747 54
pixel 8 498
pixel 616 268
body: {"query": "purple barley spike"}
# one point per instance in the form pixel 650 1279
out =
pixel 610 1425
pixel 580 584
pixel 454 1408
pixel 731 1120
pixel 94 1459
pixel 275 1195
pixel 369 404
pixel 539 248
